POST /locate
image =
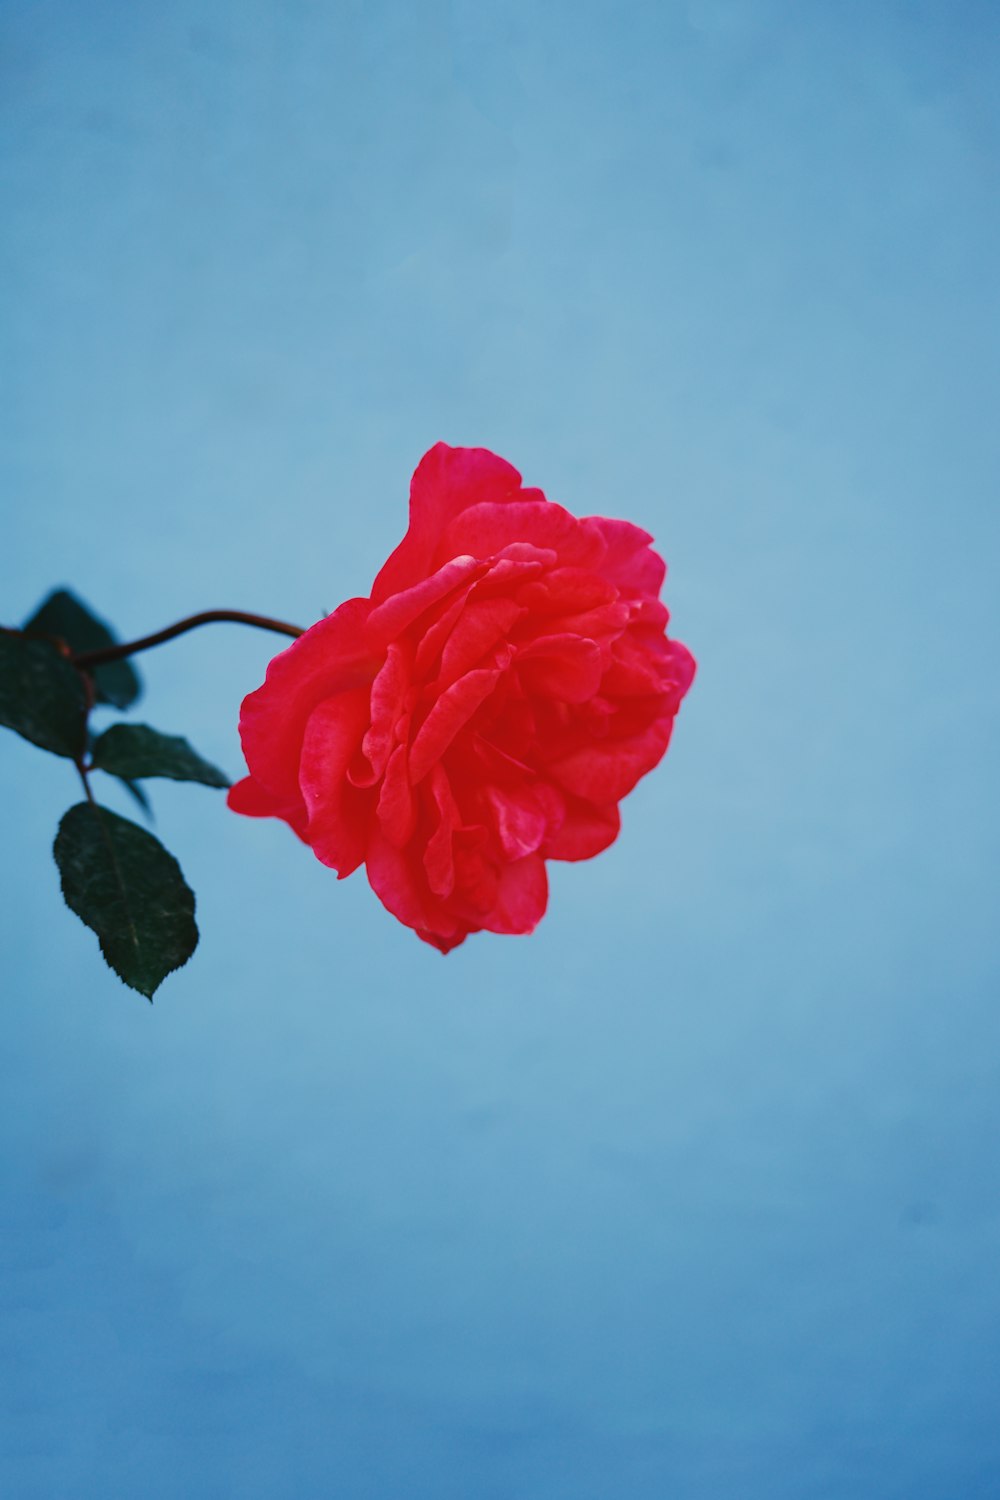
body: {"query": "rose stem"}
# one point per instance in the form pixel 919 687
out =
pixel 207 617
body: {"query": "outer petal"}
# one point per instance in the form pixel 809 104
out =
pixel 630 562
pixel 332 656
pixel 250 798
pixel 639 668
pixel 522 897
pixel 477 877
pixel 339 814
pixel 605 771
pixel 446 481
pixel 585 831
pixel 443 945
pixel 681 672
pixel 402 892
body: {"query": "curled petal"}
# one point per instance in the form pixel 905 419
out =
pixel 451 712
pixel 432 640
pixel 251 799
pixel 442 944
pixel 520 819
pixel 516 564
pixel 495 579
pixel 602 623
pixel 636 670
pixel 478 628
pixel 402 891
pixel 446 482
pixel 339 814
pixel 567 591
pixel 585 831
pixel 566 667
pixel 680 673
pixel 477 879
pixel 439 856
pixel 487 528
pixel 630 562
pixel 329 658
pixel 605 771
pixel 521 898
pixel 388 703
pixel 396 810
pixel 388 620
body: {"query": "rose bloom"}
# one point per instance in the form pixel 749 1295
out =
pixel 506 684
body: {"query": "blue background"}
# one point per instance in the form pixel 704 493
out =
pixel 694 1193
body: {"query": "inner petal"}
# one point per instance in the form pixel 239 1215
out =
pixel 452 711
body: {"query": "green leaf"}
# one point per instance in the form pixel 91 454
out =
pixel 136 792
pixel 41 694
pixel 125 886
pixel 134 751
pixel 67 618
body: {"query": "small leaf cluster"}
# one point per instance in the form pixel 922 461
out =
pixel 116 876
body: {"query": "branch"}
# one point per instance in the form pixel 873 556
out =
pixel 207 617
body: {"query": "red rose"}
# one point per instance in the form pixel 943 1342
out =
pixel 486 709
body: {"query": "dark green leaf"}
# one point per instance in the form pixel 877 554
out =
pixel 64 616
pixel 133 788
pixel 124 885
pixel 136 792
pixel 135 751
pixel 41 694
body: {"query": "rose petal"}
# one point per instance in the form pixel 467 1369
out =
pixel 521 898
pixel 606 771
pixel 603 623
pixel 498 578
pixel 391 618
pixel 339 814
pixel 253 801
pixel 401 891
pixel 443 945
pixel 566 667
pixel 477 629
pixel 433 638
pixel 446 481
pixel 520 820
pixel 585 831
pixel 396 811
pixel 636 670
pixel 477 880
pixel 567 591
pixel 388 702
pixel 439 859
pixel 630 561
pixel 487 528
pixel 681 672
pixel 451 712
pixel 330 657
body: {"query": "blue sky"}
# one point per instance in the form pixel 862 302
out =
pixel 694 1192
